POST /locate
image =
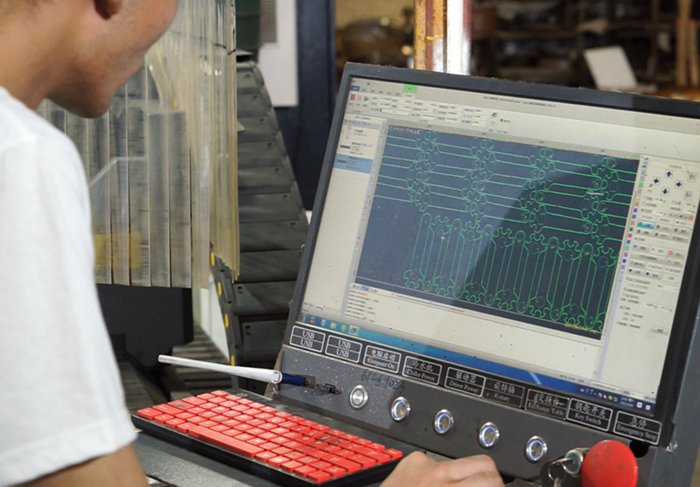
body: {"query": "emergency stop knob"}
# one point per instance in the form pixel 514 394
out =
pixel 609 464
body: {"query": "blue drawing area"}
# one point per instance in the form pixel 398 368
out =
pixel 515 230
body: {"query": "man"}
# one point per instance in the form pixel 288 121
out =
pixel 63 421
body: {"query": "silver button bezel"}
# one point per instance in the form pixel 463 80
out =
pixel 484 431
pixel 365 397
pixel 398 402
pixel 530 453
pixel 443 413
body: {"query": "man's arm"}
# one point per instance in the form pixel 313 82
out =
pixel 115 470
pixel 417 470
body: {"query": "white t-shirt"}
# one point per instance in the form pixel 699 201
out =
pixel 61 400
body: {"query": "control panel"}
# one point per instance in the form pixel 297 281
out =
pixel 529 445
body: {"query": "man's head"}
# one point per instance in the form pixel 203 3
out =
pixel 92 46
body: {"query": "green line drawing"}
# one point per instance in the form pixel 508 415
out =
pixel 519 230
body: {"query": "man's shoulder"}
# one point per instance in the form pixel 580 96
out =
pixel 19 125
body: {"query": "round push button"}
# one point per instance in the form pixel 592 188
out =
pixel 443 422
pixel 609 463
pixel 488 435
pixel 535 449
pixel 400 409
pixel 358 397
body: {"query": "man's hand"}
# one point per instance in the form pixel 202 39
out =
pixel 417 470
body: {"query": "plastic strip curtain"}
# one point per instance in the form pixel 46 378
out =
pixel 162 163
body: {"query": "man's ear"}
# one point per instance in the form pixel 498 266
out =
pixel 108 8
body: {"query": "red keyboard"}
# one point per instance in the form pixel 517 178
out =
pixel 274 444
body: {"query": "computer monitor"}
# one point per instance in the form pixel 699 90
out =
pixel 512 250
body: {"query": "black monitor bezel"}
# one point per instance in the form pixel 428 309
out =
pixel 684 320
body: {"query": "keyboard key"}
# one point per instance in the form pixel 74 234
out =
pixel 174 422
pixel 224 441
pixel 376 446
pixel 166 408
pixel 268 436
pixel 180 405
pixel 394 454
pixel 304 470
pixel 264 455
pixel 162 418
pixel 348 465
pixel 321 465
pixel 291 466
pixel 335 471
pixel 184 427
pixel 378 456
pixel 278 461
pixel 319 476
pixel 195 401
pixel 282 450
pixel 364 461
pixel 148 413
pixel 345 453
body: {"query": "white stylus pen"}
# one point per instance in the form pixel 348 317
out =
pixel 263 375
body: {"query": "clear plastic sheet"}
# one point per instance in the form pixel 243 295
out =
pixel 162 163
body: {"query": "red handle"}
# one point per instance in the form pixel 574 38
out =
pixel 609 464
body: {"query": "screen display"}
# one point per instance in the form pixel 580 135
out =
pixel 532 240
